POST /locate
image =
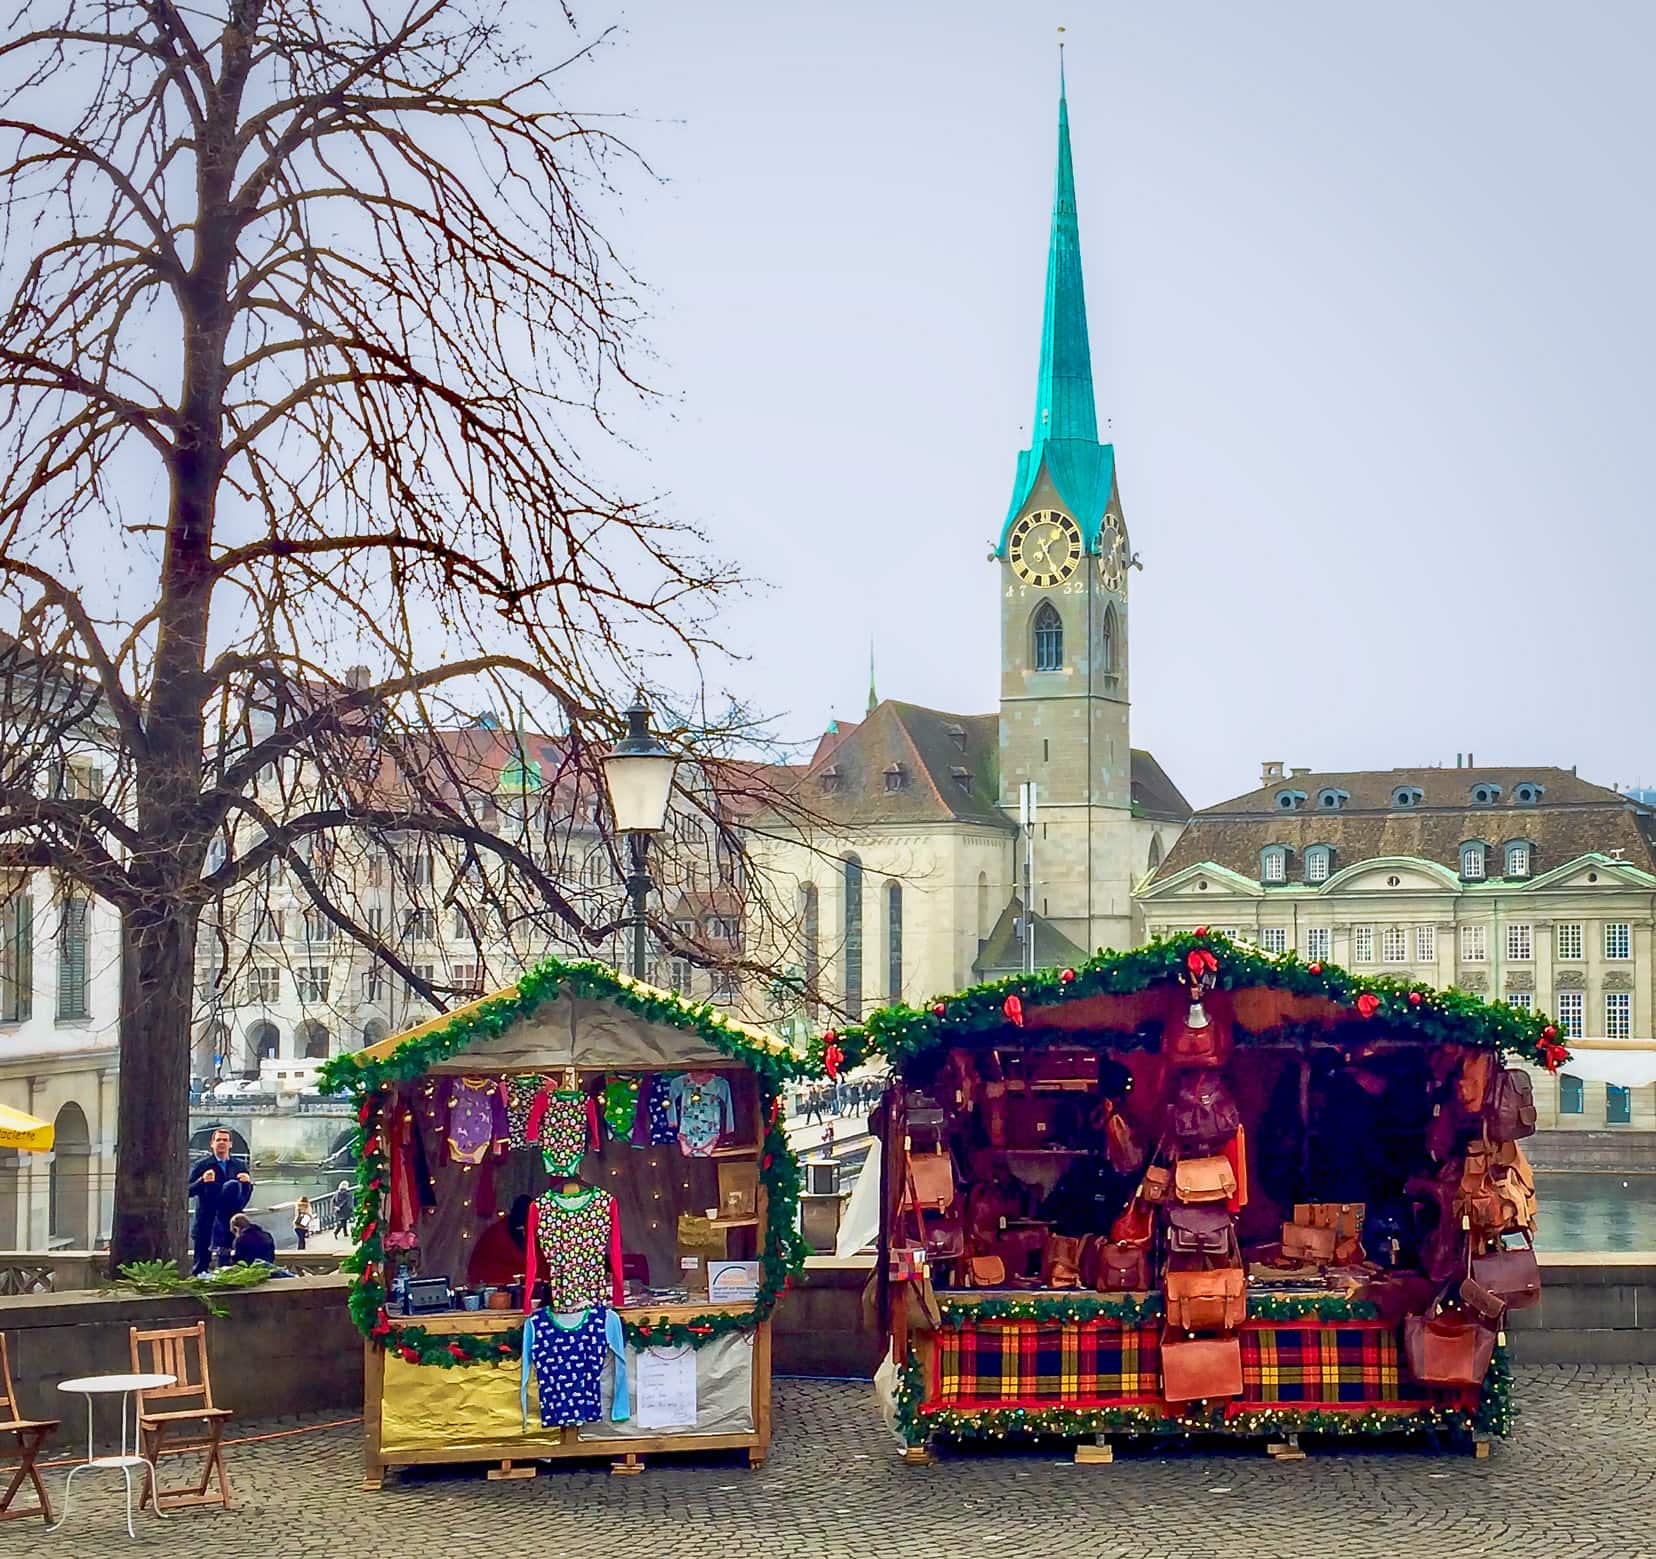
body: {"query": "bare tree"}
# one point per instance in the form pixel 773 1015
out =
pixel 310 347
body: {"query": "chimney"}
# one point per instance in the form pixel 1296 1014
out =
pixel 1471 762
pixel 1269 770
pixel 1457 760
pixel 357 678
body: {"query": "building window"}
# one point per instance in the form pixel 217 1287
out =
pixel 419 924
pixel 723 928
pixel 1274 939
pixel 1520 945
pixel 1317 863
pixel 830 779
pixel 1524 1001
pixel 468 979
pixel 726 986
pixel 264 985
pixel 1290 800
pixel 376 869
pixel 419 869
pixel 896 777
pixel 1572 1097
pixel 1107 643
pixel 812 930
pixel 426 974
pixel 1362 944
pixel 962 778
pixel 678 976
pixel 267 926
pixel 1406 796
pixel 1570 1009
pixel 1518 859
pixel 1049 638
pixel 1472 862
pixel 1316 942
pixel 1394 945
pixel 1618 1105
pixel 74 973
pixel 1425 944
pixel 373 984
pixel 1618 1014
pixel 318 928
pixel 1527 794
pixel 1155 851
pixel 1273 863
pixel 1331 800
pixel 1485 795
pixel 853 936
pixel 1474 944
pixel 894 942
pixel 17 959
pixel 312 982
pixel 1567 940
pixel 1618 939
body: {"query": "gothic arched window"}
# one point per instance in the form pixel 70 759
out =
pixel 853 936
pixel 1155 851
pixel 1049 638
pixel 1107 642
pixel 894 942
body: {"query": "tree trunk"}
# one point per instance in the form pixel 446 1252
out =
pixel 151 1158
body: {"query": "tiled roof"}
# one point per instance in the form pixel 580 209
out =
pixel 1154 793
pixel 1002 950
pixel 1573 818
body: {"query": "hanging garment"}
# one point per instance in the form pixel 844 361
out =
pixel 702 1110
pixel 525 1102
pixel 653 1127
pixel 567 1130
pixel 574 1246
pixel 567 1353
pixel 411 1187
pixel 622 1096
pixel 476 1117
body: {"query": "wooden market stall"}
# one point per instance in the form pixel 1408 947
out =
pixel 1192 1189
pixel 594 1163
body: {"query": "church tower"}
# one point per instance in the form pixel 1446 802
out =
pixel 1063 558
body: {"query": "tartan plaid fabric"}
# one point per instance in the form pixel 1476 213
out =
pixel 1324 1364
pixel 1015 1363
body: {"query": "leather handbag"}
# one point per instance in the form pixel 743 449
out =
pixel 1019 1251
pixel 1477 1198
pixel 1207 1047
pixel 1122 1269
pixel 1061 1261
pixel 1204 1230
pixel 1446 1348
pixel 1121 1145
pixel 1482 1302
pixel 944 1238
pixel 1158 1184
pixel 1511 1274
pixel 1204 1179
pixel 1135 1226
pixel 1510 1113
pixel 1344 1218
pixel 1196 1368
pixel 1207 1299
pixel 1204 1115
pixel 1307 1243
pixel 985 1272
pixel 1514 1184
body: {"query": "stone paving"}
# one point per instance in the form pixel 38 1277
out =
pixel 1579 1477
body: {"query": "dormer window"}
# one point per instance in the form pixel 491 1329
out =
pixel 957 735
pixel 1407 796
pixel 896 777
pixel 830 778
pixel 1331 800
pixel 1472 860
pixel 1273 863
pixel 1290 800
pixel 962 778
pixel 1485 795
pixel 1527 794
pixel 1319 863
pixel 1520 858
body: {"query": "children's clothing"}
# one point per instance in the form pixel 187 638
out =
pixel 622 1096
pixel 654 1126
pixel 525 1102
pixel 567 1354
pixel 702 1110
pixel 477 1122
pixel 567 1130
pixel 574 1245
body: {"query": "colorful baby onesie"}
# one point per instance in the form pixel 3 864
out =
pixel 654 1126
pixel 621 1099
pixel 702 1109
pixel 525 1100
pixel 476 1117
pixel 574 1244
pixel 567 1353
pixel 567 1130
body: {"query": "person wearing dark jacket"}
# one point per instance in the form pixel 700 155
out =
pixel 221 1186
pixel 252 1243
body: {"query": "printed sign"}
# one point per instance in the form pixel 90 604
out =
pixel 730 1281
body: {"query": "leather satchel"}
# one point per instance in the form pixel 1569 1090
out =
pixel 1514 1183
pixel 931 1181
pixel 1204 1115
pixel 1210 1299
pixel 1204 1179
pixel 1443 1348
pixel 1510 1113
pixel 1158 1184
pixel 1472 1083
pixel 1308 1243
pixel 985 1272
pixel 1061 1261
pixel 1121 1144
pixel 1511 1274
pixel 1122 1269
pixel 1204 1230
pixel 1195 1368
pixel 1207 1047
pixel 1344 1218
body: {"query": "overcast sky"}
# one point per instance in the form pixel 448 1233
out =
pixel 1371 319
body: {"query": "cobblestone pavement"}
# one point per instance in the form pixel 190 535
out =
pixel 1579 1477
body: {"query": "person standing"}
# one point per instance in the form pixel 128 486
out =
pixel 221 1186
pixel 304 1220
pixel 342 1209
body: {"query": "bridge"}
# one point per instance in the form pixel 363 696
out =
pixel 275 1131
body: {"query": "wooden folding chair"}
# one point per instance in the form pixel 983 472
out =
pixel 182 1352
pixel 30 1433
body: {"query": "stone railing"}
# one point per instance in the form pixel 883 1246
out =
pixel 50 1272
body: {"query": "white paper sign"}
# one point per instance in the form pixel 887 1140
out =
pixel 665 1389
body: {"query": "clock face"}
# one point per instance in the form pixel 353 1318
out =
pixel 1044 548
pixel 1112 554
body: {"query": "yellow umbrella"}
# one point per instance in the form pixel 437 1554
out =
pixel 18 1130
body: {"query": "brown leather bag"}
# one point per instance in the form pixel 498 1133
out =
pixel 1512 1275
pixel 1211 1299
pixel 931 1182
pixel 1158 1184
pixel 1061 1261
pixel 1121 1144
pixel 1136 1225
pixel 1307 1243
pixel 1203 1116
pixel 1446 1348
pixel 1204 1179
pixel 1510 1113
pixel 1194 1368
pixel 1514 1183
pixel 1472 1083
pixel 1122 1269
pixel 1344 1218
pixel 1207 1047
pixel 1202 1230
pixel 985 1272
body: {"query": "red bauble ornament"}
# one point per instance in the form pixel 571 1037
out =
pixel 1013 1008
pixel 1368 1004
pixel 832 1056
pixel 1314 968
pixel 505 1347
pixel 1067 976
pixel 368 1233
pixel 765 1162
pixel 1414 998
pixel 938 1009
pixel 456 1351
pixel 364 1110
pixel 1549 1032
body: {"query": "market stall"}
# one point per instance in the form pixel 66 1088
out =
pixel 575 1215
pixel 1193 1189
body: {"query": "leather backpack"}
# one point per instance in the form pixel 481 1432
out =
pixel 1201 1231
pixel 1061 1261
pixel 1197 1368
pixel 1208 1179
pixel 1158 1184
pixel 1204 1115
pixel 1122 1269
pixel 1207 1299
pixel 1205 1047
pixel 1510 1113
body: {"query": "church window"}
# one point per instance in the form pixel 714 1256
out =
pixel 896 777
pixel 853 936
pixel 1107 642
pixel 1049 638
pixel 1155 851
pixel 894 942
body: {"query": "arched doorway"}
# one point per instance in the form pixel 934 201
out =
pixel 264 1044
pixel 311 1038
pixel 373 1031
pixel 69 1190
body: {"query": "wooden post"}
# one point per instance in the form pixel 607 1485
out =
pixel 373 1392
pixel 629 1466
pixel 1098 1453
pixel 508 1470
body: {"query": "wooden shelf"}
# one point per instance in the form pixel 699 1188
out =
pixel 750 1222
pixel 749 1151
pixel 1045 1152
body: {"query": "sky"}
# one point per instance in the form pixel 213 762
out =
pixel 1371 319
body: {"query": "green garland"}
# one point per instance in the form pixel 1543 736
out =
pixel 369 1082
pixel 1077 1308
pixel 1403 1008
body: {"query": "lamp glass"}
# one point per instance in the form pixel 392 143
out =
pixel 639 785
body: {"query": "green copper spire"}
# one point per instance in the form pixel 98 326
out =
pixel 1064 440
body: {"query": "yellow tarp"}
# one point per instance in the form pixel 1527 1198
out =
pixel 24 1132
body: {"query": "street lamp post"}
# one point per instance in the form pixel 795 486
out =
pixel 638 774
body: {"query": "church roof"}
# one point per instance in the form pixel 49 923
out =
pixel 1002 950
pixel 1064 437
pixel 1153 791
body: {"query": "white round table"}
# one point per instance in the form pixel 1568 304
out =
pixel 91 1386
